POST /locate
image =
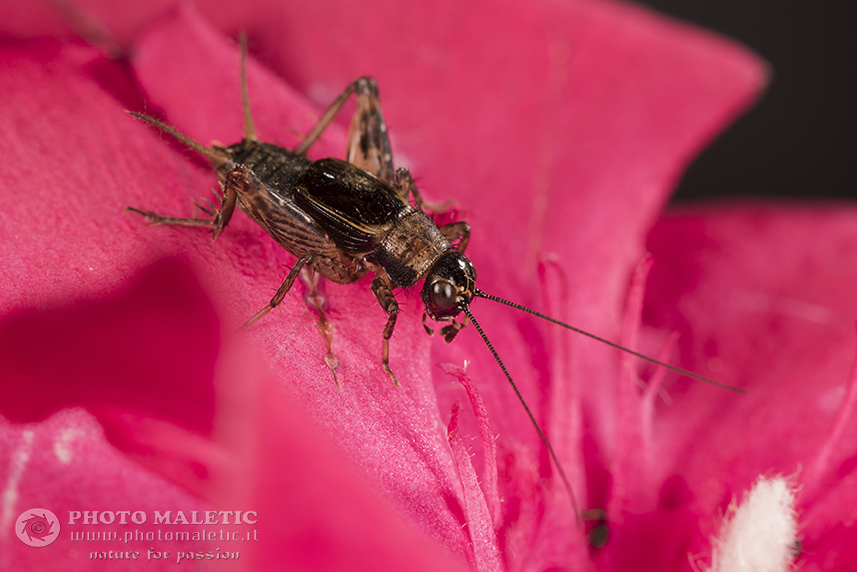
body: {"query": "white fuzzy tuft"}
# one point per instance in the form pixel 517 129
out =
pixel 760 535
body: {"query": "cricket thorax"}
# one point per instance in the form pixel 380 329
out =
pixel 409 249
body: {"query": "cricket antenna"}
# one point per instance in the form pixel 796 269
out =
pixel 482 294
pixel 541 433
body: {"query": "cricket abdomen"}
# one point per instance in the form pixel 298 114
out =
pixel 277 168
pixel 263 177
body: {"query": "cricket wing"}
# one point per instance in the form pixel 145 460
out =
pixel 351 205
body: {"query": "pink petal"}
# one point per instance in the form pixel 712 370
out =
pixel 70 220
pixel 149 351
pixel 486 439
pixel 323 515
pixel 294 480
pixel 766 289
pixel 594 107
pixel 486 555
pixel 172 320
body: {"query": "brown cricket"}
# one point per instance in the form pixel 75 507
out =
pixel 344 219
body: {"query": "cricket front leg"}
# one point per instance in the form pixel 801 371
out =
pixel 385 298
pixel 457 231
pixel 407 188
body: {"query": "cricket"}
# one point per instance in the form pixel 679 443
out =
pixel 346 218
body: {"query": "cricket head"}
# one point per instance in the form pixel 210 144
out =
pixel 448 290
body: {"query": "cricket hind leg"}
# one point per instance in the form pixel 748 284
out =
pixel 368 142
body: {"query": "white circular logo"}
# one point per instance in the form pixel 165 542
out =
pixel 37 527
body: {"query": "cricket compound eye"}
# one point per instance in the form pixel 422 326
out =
pixel 442 295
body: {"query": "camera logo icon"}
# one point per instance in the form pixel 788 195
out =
pixel 37 527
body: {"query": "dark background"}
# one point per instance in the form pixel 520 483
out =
pixel 798 141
